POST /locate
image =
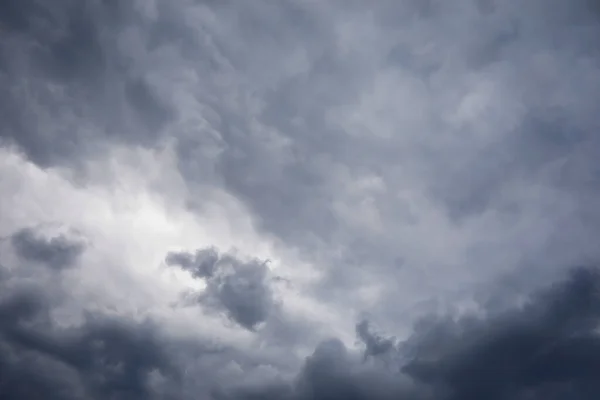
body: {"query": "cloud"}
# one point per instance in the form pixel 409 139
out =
pixel 96 361
pixel 375 345
pixel 202 264
pixel 240 288
pixel 65 76
pixel 103 357
pixel 549 347
pixel 57 252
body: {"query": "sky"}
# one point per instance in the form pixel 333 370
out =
pixel 299 199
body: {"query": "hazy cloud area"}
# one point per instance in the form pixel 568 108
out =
pixel 299 200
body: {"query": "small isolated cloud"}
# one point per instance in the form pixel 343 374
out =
pixel 240 288
pixel 57 252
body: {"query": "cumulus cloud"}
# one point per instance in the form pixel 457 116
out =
pixel 420 174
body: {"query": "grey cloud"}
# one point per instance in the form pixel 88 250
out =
pixel 65 77
pixel 202 264
pixel 58 252
pixel 239 288
pixel 374 343
pixel 332 372
pixel 548 348
pixel 244 294
pixel 102 358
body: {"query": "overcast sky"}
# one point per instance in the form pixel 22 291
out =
pixel 299 199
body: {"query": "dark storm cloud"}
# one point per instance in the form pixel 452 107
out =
pixel 57 252
pixel 550 348
pixel 102 358
pixel 239 288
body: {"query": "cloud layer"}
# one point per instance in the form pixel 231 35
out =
pixel 299 199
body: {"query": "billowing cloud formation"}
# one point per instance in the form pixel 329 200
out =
pixel 417 173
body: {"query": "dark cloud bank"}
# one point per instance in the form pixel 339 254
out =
pixel 548 348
